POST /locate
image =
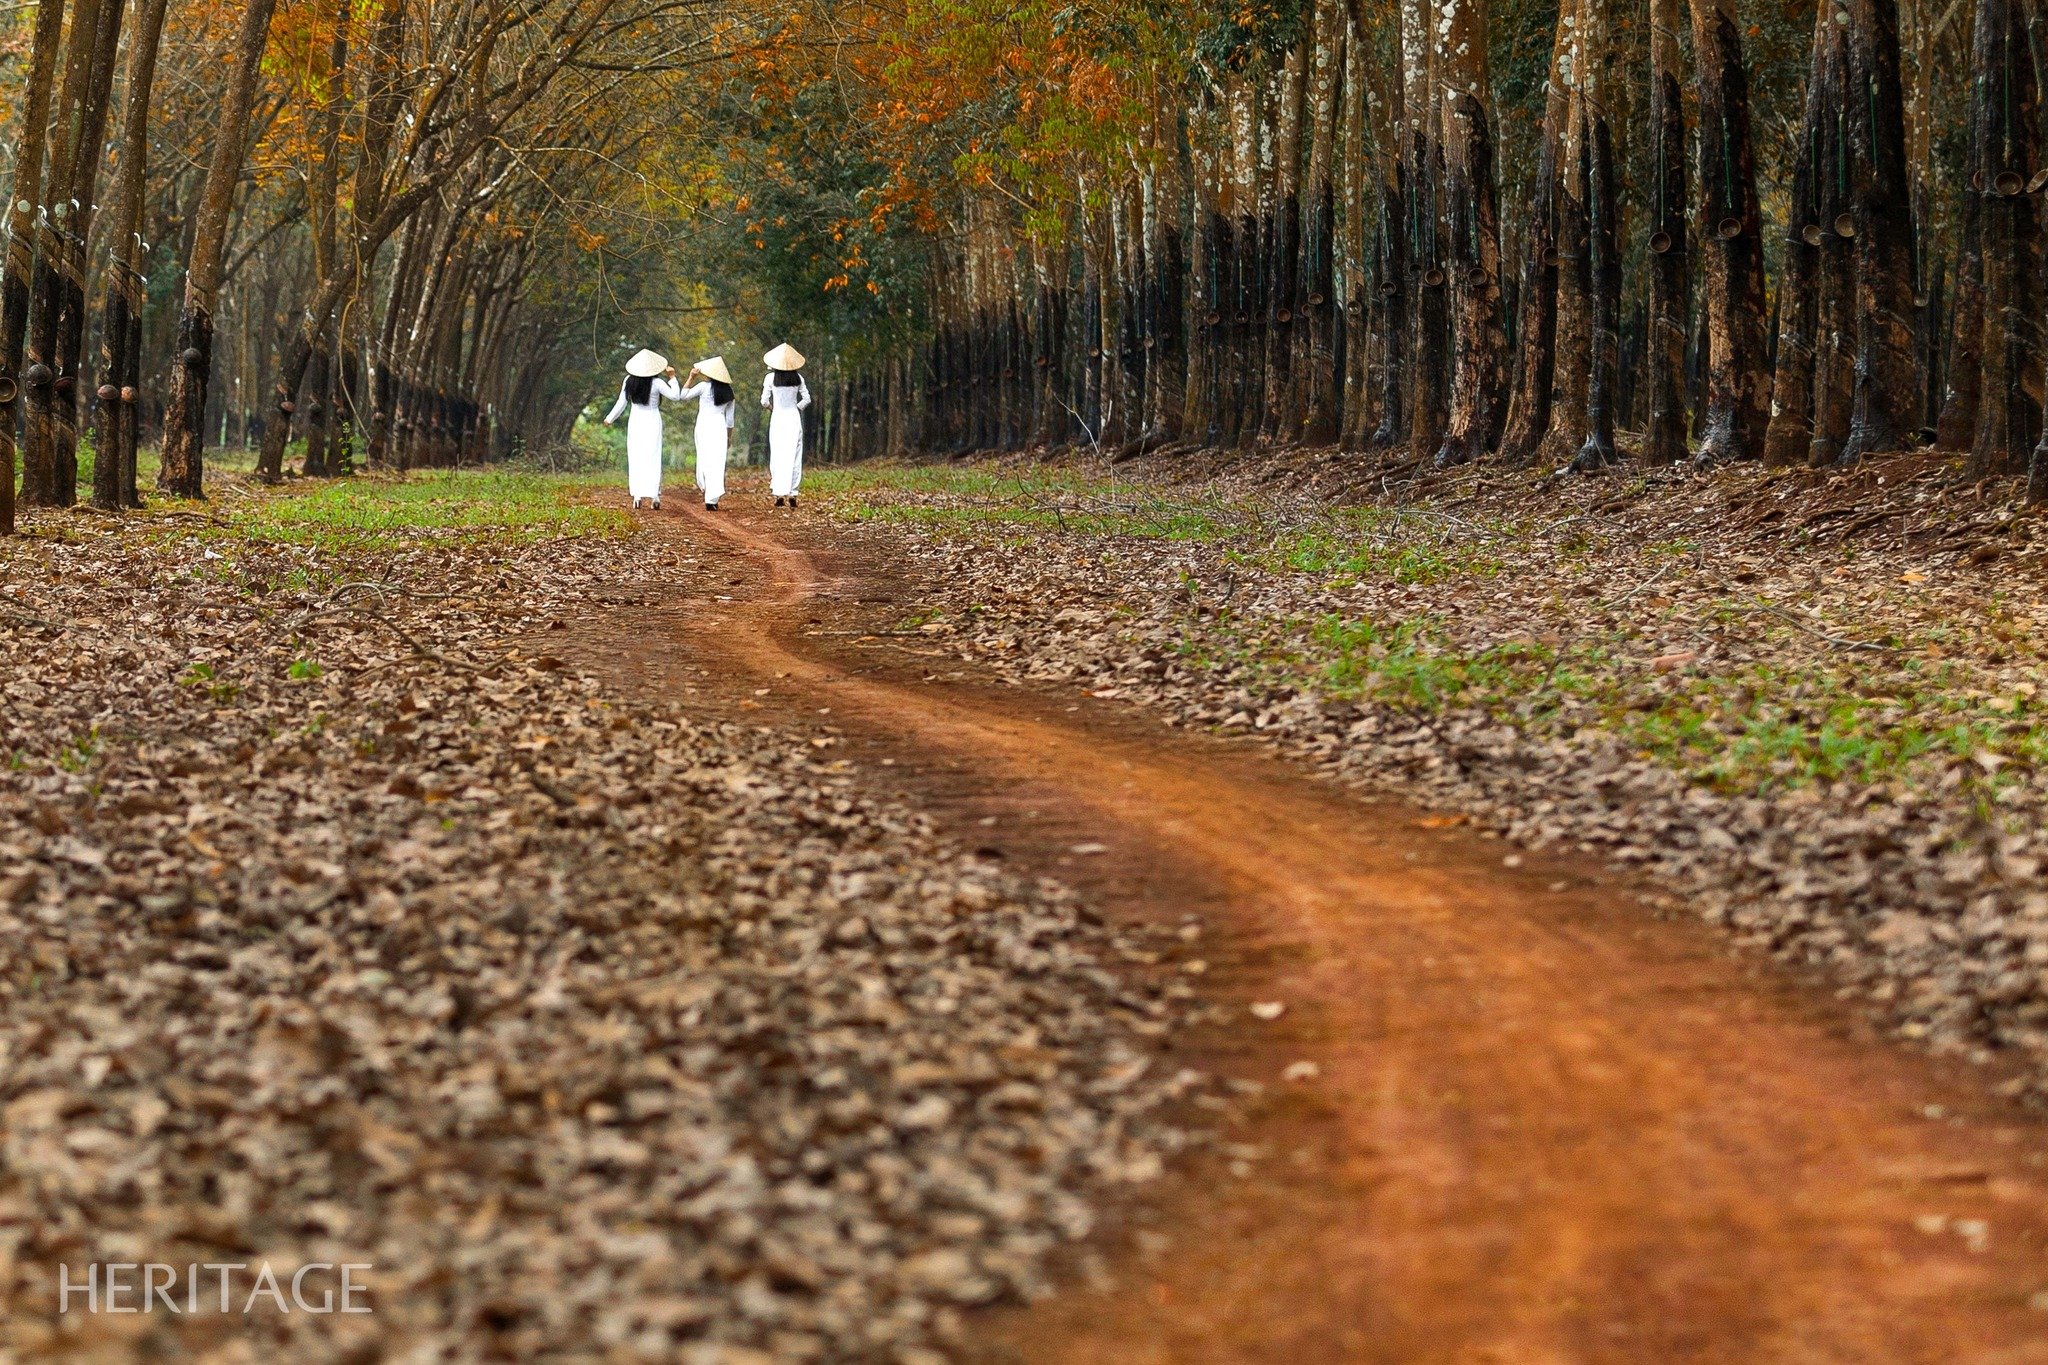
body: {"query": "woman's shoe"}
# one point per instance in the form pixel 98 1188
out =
pixel 711 507
pixel 657 504
pixel 792 502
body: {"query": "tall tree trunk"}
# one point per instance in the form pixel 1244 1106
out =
pixel 1478 338
pixel 1529 406
pixel 183 472
pixel 1359 173
pixel 2005 152
pixel 1670 285
pixel 1737 398
pixel 42 484
pixel 1572 368
pixel 1789 435
pixel 69 303
pixel 1427 377
pixel 1397 276
pixel 1279 421
pixel 1834 348
pixel 1315 394
pixel 1887 388
pixel 30 153
pixel 114 436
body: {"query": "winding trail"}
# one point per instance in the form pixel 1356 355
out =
pixel 1547 1126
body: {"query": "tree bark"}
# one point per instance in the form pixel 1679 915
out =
pixel 1664 428
pixel 1887 384
pixel 1737 398
pixel 1478 336
pixel 1529 404
pixel 2005 152
pixel 19 265
pixel 183 472
pixel 50 386
pixel 114 437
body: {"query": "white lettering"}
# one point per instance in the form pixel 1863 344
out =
pixel 266 1283
pixel 224 1267
pixel 91 1288
pixel 348 1288
pixel 326 1296
pixel 151 1290
pixel 114 1286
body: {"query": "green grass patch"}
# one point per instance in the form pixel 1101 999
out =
pixel 1753 728
pixel 485 506
pixel 1367 543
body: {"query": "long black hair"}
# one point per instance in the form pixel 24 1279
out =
pixel 721 393
pixel 639 389
pixel 787 379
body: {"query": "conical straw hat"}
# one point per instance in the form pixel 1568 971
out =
pixel 647 364
pixel 714 368
pixel 783 357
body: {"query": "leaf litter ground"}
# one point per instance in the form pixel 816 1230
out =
pixel 339 928
pixel 1809 706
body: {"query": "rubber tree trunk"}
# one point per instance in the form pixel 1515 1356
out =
pixel 50 385
pixel 1736 400
pixel 1529 406
pixel 1789 434
pixel 1316 394
pixel 1396 280
pixel 1670 302
pixel 69 304
pixel 19 265
pixel 1282 227
pixel 2005 154
pixel 1427 359
pixel 1472 235
pixel 1356 295
pixel 1572 366
pixel 1834 344
pixel 114 434
pixel 1887 402
pixel 1239 401
pixel 183 472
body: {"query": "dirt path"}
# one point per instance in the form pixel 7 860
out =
pixel 1545 1126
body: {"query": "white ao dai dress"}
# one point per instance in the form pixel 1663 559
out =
pixel 714 422
pixel 785 433
pixel 643 437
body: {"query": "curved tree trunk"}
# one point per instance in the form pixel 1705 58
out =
pixel 113 475
pixel 183 471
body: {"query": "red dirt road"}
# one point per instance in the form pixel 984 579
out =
pixel 1547 1126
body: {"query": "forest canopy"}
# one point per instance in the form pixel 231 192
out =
pixel 408 233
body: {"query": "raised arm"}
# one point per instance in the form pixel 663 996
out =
pixel 699 390
pixel 667 388
pixel 617 407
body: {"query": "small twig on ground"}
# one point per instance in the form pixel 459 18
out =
pixel 37 622
pixel 1653 578
pixel 1840 642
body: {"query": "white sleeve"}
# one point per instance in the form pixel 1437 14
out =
pixel 617 407
pixel 767 388
pixel 732 411
pixel 696 390
pixel 668 388
pixel 803 393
